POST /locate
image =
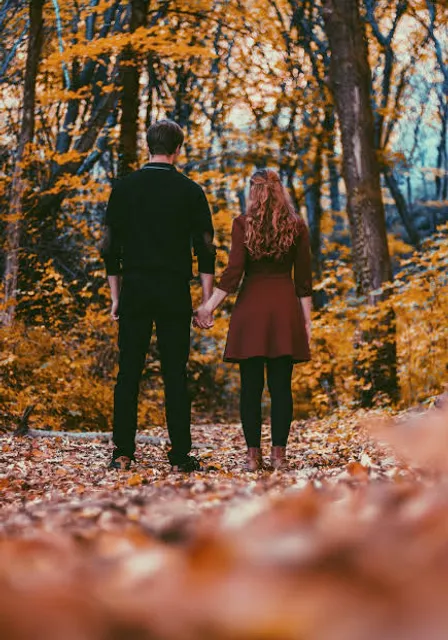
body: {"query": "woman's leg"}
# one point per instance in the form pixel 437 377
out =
pixel 252 383
pixel 279 383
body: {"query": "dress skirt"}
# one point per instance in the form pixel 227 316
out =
pixel 267 320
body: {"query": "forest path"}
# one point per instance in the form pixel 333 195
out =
pixel 348 543
pixel 61 482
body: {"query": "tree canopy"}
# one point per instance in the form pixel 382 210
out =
pixel 250 82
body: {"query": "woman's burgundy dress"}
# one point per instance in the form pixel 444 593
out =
pixel 267 320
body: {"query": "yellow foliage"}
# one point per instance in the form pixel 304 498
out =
pixel 58 365
pixel 420 301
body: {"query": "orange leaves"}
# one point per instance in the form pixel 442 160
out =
pixel 30 374
pixel 422 440
pixel 419 299
pixel 358 471
pixel 142 40
pixel 345 556
pixel 65 158
pixel 135 480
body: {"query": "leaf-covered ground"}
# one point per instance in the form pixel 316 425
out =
pixel 349 543
pixel 52 482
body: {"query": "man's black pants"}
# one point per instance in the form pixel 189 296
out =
pixel 165 301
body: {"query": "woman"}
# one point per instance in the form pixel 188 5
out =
pixel 269 326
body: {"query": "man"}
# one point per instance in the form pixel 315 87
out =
pixel 153 217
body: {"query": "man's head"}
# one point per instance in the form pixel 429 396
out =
pixel 164 138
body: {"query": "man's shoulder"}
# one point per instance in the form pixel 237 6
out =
pixel 122 183
pixel 140 176
pixel 189 183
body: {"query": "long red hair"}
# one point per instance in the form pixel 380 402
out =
pixel 272 224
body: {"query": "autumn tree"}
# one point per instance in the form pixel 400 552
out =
pixel 389 98
pixel 18 186
pixel 130 94
pixel 351 84
pixel 249 82
pixel 438 18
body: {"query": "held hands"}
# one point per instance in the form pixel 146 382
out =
pixel 203 317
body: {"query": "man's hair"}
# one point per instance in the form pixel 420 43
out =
pixel 164 137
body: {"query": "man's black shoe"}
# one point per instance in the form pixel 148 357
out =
pixel 122 463
pixel 187 465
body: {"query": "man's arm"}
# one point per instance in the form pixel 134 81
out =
pixel 115 287
pixel 111 251
pixel 203 246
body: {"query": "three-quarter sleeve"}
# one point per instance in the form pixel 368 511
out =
pixel 111 247
pixel 202 233
pixel 232 275
pixel 302 264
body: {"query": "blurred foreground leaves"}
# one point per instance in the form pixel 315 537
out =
pixel 350 543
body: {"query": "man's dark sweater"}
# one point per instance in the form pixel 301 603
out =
pixel 154 218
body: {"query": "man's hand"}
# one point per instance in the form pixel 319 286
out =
pixel 115 288
pixel 114 310
pixel 203 318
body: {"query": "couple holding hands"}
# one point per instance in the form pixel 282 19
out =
pixel 154 217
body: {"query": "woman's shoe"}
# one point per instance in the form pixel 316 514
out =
pixel 254 460
pixel 278 458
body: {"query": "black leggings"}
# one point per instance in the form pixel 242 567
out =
pixel 279 384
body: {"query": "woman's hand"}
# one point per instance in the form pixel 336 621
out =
pixel 203 317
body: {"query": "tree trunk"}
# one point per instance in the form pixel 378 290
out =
pixel 127 149
pixel 18 186
pixel 441 176
pixel 313 194
pixel 383 130
pixel 409 192
pixel 443 66
pixel 335 196
pixel 402 206
pixel 330 124
pixel 351 84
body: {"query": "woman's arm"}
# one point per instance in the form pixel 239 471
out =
pixel 230 279
pixel 202 236
pixel 306 304
pixel 207 285
pixel 302 276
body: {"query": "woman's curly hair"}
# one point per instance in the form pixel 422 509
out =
pixel 272 224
